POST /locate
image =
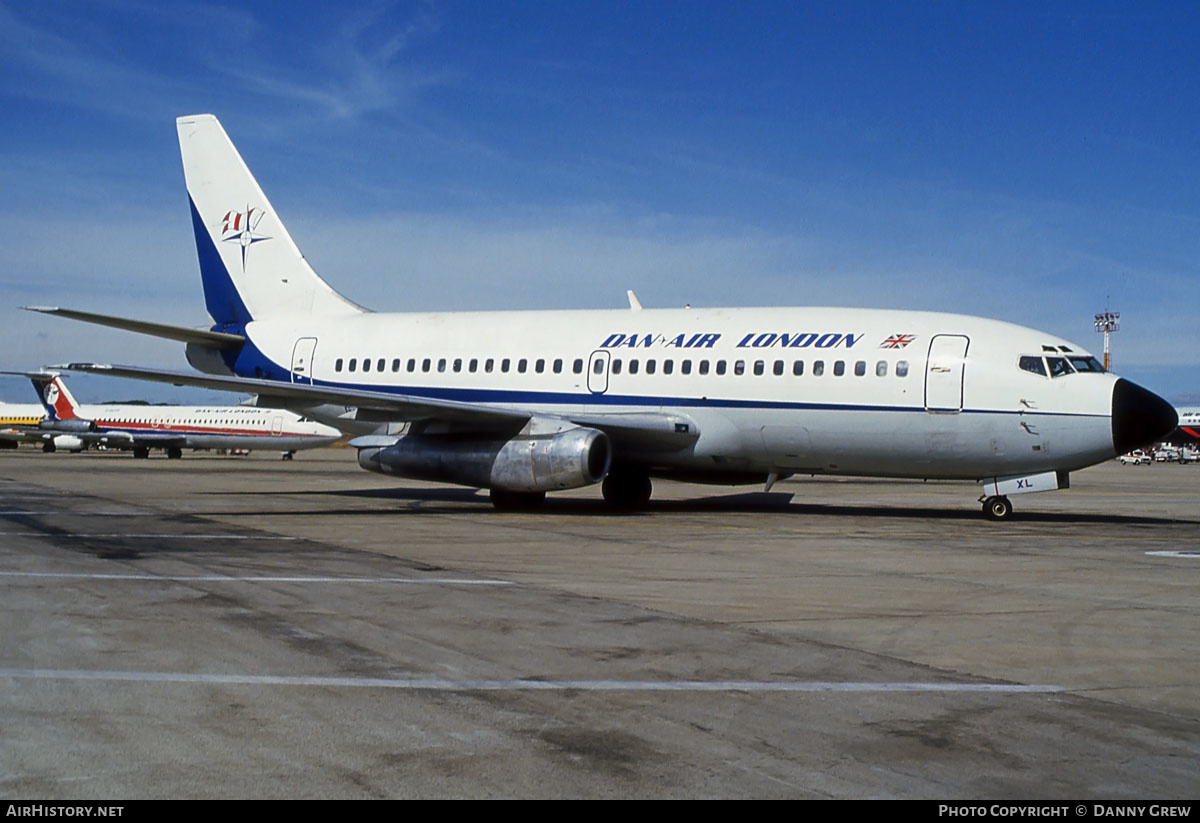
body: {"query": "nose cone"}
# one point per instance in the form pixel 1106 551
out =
pixel 1139 417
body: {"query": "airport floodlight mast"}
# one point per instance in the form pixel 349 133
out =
pixel 1108 322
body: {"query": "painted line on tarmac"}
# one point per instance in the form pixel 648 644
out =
pixel 224 578
pixel 437 684
pixel 181 536
pixel 59 512
pixel 1191 555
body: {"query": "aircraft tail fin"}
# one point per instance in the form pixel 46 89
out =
pixel 59 402
pixel 249 264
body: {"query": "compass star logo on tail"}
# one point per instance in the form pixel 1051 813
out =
pixel 241 227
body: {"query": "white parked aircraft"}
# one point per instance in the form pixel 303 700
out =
pixel 528 402
pixel 68 426
pixel 1188 431
pixel 16 419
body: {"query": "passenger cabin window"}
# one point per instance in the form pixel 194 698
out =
pixel 473 366
pixel 558 366
pixel 650 366
pixel 685 367
pixel 778 368
pixel 739 367
pixel 396 365
pixel 539 365
pixel 366 364
pixel 522 364
pixel 704 367
pixel 441 364
pixel 598 366
pixel 489 364
pixel 860 368
pixel 902 368
pixel 720 367
pixel 577 366
pixel 337 364
pixel 379 364
pixel 633 366
pixel 818 368
pixel 504 364
pixel 668 366
pixel 616 366
pixel 457 364
pixel 798 367
pixel 1032 364
pixel 425 364
pixel 881 368
pixel 759 366
pixel 839 368
pixel 353 363
pixel 412 364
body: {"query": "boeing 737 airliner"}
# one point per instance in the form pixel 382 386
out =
pixel 523 403
pixel 68 426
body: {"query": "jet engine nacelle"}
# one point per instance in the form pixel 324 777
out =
pixel 567 459
pixel 66 443
pixel 73 425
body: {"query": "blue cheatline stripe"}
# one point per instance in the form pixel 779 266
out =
pixel 439 684
pixel 220 294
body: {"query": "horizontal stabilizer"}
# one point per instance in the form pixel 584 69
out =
pixel 202 336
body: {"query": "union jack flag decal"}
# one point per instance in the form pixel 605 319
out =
pixel 897 341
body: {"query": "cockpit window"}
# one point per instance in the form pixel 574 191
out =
pixel 1031 363
pixel 1086 364
pixel 1058 366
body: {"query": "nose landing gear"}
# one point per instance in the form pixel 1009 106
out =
pixel 997 508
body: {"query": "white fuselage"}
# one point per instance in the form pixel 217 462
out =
pixel 209 427
pixel 801 390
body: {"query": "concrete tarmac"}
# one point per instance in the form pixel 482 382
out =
pixel 246 627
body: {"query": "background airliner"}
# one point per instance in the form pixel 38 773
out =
pixel 523 403
pixel 1188 431
pixel 63 424
pixel 16 419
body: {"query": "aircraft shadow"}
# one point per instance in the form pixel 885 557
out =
pixel 780 503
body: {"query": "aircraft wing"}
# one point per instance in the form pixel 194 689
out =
pixel 644 430
pixel 641 432
pixel 127 440
pixel 204 337
pixel 395 407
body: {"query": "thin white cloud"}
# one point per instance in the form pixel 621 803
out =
pixel 218 61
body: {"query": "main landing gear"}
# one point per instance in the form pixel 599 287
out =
pixel 997 508
pixel 625 489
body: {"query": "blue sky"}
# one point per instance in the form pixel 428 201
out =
pixel 1026 161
